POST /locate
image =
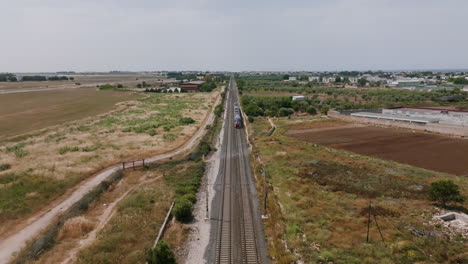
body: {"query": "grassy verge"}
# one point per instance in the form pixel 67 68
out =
pixel 319 198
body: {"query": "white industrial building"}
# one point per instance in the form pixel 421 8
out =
pixel 420 115
pixel 298 98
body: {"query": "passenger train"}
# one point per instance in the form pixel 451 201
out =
pixel 237 116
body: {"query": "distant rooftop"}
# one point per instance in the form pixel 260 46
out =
pixel 195 82
pixel 404 118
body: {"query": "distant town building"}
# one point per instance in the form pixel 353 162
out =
pixel 292 78
pixel 314 79
pixel 193 86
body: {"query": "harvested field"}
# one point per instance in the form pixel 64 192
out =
pixel 84 80
pixel 429 151
pixel 24 112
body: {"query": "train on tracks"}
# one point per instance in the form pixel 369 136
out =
pixel 237 116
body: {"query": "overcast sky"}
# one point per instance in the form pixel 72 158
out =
pixel 103 35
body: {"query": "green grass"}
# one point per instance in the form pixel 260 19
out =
pixel 66 149
pixel 18 150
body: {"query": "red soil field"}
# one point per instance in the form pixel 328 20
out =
pixel 429 151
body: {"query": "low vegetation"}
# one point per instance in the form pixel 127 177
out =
pixel 45 165
pixel 319 198
pixel 4 166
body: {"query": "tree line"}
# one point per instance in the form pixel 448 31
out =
pixel 8 77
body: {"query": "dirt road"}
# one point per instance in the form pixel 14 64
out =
pixel 15 242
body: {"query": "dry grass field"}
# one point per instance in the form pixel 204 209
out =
pixel 319 198
pixel 25 112
pixel 43 166
pixel 143 198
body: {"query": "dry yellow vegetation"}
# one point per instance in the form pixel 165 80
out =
pixel 44 166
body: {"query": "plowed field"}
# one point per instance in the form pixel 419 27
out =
pixel 422 150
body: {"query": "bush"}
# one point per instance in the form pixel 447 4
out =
pixel 218 110
pixel 251 119
pixel 182 210
pixel 161 254
pixel 286 111
pixel 186 121
pixel 311 110
pixel 106 87
pixel 325 110
pixel 445 192
pixel 152 132
pixel 5 166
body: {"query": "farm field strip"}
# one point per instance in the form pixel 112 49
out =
pixel 429 151
pixel 25 112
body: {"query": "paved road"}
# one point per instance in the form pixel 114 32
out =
pixel 236 234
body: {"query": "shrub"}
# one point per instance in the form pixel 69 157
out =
pixel 126 129
pixel 161 254
pixel 218 110
pixel 286 111
pixel 251 119
pixel 186 121
pixel 325 110
pixel 183 210
pixel 445 192
pixel 152 132
pixel 311 110
pixel 5 166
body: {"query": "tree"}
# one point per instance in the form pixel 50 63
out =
pixel 161 254
pixel 286 77
pixel 445 192
pixel 286 111
pixel 325 110
pixel 362 82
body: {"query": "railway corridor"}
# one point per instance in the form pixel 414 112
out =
pixel 236 234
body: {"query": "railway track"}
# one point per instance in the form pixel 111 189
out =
pixel 237 238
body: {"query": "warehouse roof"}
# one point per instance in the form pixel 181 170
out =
pixel 404 118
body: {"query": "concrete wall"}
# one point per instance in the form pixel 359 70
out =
pixel 437 128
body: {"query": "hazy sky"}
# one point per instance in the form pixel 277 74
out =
pixel 102 35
